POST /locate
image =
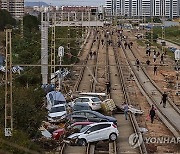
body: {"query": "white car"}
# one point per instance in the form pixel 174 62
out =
pixel 95 132
pixel 57 111
pixel 93 102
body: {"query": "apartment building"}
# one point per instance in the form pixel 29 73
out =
pixel 168 8
pixel 15 7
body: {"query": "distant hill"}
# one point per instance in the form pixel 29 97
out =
pixel 35 4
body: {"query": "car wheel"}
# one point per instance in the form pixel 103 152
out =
pixel 82 142
pixel 112 137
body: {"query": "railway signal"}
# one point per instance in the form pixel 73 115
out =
pixel 60 54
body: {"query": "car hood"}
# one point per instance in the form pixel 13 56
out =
pixel 110 119
pixel 74 135
pixel 56 114
pixel 59 130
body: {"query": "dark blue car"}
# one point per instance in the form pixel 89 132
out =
pixel 93 116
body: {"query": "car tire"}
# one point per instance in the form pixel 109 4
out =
pixel 112 137
pixel 82 142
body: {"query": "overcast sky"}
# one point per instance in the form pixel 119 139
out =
pixel 71 2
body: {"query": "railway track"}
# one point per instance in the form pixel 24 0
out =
pixel 120 73
pixel 169 115
pixel 111 57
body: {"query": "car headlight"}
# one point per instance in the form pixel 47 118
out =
pixel 75 137
pixel 63 117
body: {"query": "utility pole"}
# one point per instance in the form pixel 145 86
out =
pixel 151 6
pixel 152 31
pixel 44 46
pixel 53 50
pixel 163 28
pixel 8 86
pixel 22 28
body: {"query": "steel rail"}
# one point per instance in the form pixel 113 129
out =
pixel 90 148
pixel 112 148
pixel 83 68
pixel 93 85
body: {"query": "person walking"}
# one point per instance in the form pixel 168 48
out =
pixel 148 62
pixel 152 113
pixel 149 52
pixel 154 57
pixel 164 99
pixel 131 43
pixel 126 108
pixel 125 45
pixel 137 64
pixel 155 70
pixel 94 54
pixel 102 41
pixel 129 46
pixel 162 59
pixel 91 54
pixel 158 54
pixel 154 52
pixel 108 87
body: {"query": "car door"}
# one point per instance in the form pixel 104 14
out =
pixel 92 117
pixel 104 131
pixel 93 134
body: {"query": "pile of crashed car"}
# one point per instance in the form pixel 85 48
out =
pixel 80 121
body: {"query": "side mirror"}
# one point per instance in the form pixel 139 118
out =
pixel 88 132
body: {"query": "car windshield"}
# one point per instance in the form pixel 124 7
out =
pixel 96 99
pixel 98 114
pixel 77 100
pixel 81 107
pixel 59 102
pixel 57 109
pixel 84 128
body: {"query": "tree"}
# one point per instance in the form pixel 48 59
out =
pixel 31 23
pixel 28 110
pixel 6 19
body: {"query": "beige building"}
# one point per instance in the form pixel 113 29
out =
pixel 15 7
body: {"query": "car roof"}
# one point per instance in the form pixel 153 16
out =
pixel 90 111
pixel 99 123
pixel 58 105
pixel 82 123
pixel 87 111
pixel 87 97
pixel 81 104
pixel 76 116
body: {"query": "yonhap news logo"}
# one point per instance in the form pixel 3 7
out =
pixel 136 139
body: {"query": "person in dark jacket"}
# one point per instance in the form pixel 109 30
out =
pixel 108 87
pixel 137 64
pixel 152 113
pixel 155 70
pixel 125 45
pixel 164 99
